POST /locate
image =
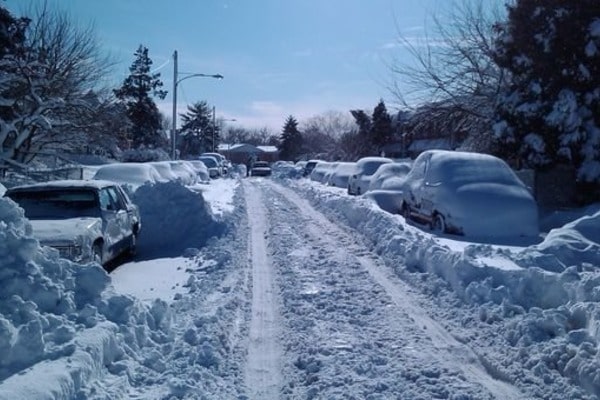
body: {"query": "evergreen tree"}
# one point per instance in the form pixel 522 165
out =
pixel 197 129
pixel 136 93
pixel 290 141
pixel 361 141
pixel 550 111
pixel 381 129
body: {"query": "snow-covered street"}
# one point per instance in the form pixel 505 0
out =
pixel 299 291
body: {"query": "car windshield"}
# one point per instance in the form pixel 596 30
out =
pixel 209 162
pixel 460 171
pixel 371 167
pixel 57 204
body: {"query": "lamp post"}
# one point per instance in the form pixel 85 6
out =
pixel 177 81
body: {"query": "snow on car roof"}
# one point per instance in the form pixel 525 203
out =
pixel 67 183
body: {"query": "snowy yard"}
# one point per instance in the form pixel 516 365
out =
pixel 287 289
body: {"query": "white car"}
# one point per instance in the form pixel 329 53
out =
pixel 129 174
pixel 340 174
pixel 84 220
pixel 319 171
pixel 359 181
pixel 390 176
pixel 214 168
pixel 201 170
pixel 470 194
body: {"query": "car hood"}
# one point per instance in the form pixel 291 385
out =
pixel 65 230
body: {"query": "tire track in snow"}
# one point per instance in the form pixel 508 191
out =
pixel 447 347
pixel 263 377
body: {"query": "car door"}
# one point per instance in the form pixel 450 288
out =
pixel 413 192
pixel 115 220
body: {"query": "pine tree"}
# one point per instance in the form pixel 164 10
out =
pixel 361 142
pixel 290 141
pixel 197 130
pixel 137 92
pixel 550 111
pixel 381 129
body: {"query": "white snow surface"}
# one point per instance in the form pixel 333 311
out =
pixel 287 289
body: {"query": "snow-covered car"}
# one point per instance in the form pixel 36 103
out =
pixel 309 166
pixel 85 221
pixel 359 181
pixel 165 171
pixel 468 193
pixel 390 176
pixel 201 170
pixel 319 171
pixel 260 168
pixel 340 174
pixel 184 171
pixel 214 168
pixel 224 164
pixel 130 174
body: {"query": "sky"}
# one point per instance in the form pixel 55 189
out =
pixel 279 58
pixel 288 288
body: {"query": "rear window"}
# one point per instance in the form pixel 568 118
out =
pixel 57 203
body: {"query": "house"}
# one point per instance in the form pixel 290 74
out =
pixel 240 153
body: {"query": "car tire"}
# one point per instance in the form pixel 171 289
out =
pixel 358 191
pixel 349 191
pixel 405 211
pixel 438 223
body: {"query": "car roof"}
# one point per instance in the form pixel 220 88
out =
pixel 65 184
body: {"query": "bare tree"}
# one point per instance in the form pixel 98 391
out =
pixel 43 93
pixel 452 67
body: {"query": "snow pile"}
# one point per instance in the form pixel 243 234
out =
pixel 63 326
pixel 60 321
pixel 542 299
pixel 174 219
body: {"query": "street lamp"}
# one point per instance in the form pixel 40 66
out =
pixel 177 81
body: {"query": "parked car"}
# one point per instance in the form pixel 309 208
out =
pixel 214 169
pixel 185 171
pixel 340 174
pixel 470 194
pixel 85 221
pixel 260 168
pixel 132 175
pixel 319 171
pixel 390 176
pixel 359 181
pixel 309 166
pixel 201 170
pixel 224 164
pixel 165 170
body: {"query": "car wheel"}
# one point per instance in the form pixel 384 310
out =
pixel 97 253
pixel 438 223
pixel 405 211
pixel 349 191
pixel 358 191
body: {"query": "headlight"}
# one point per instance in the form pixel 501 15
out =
pixel 72 252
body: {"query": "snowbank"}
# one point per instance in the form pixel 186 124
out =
pixel 62 325
pixel 543 298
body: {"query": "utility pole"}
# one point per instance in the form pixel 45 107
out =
pixel 174 116
pixel 214 124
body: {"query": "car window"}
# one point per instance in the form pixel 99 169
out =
pixel 57 203
pixel 105 200
pixel 115 198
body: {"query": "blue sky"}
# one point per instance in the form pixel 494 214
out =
pixel 278 57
